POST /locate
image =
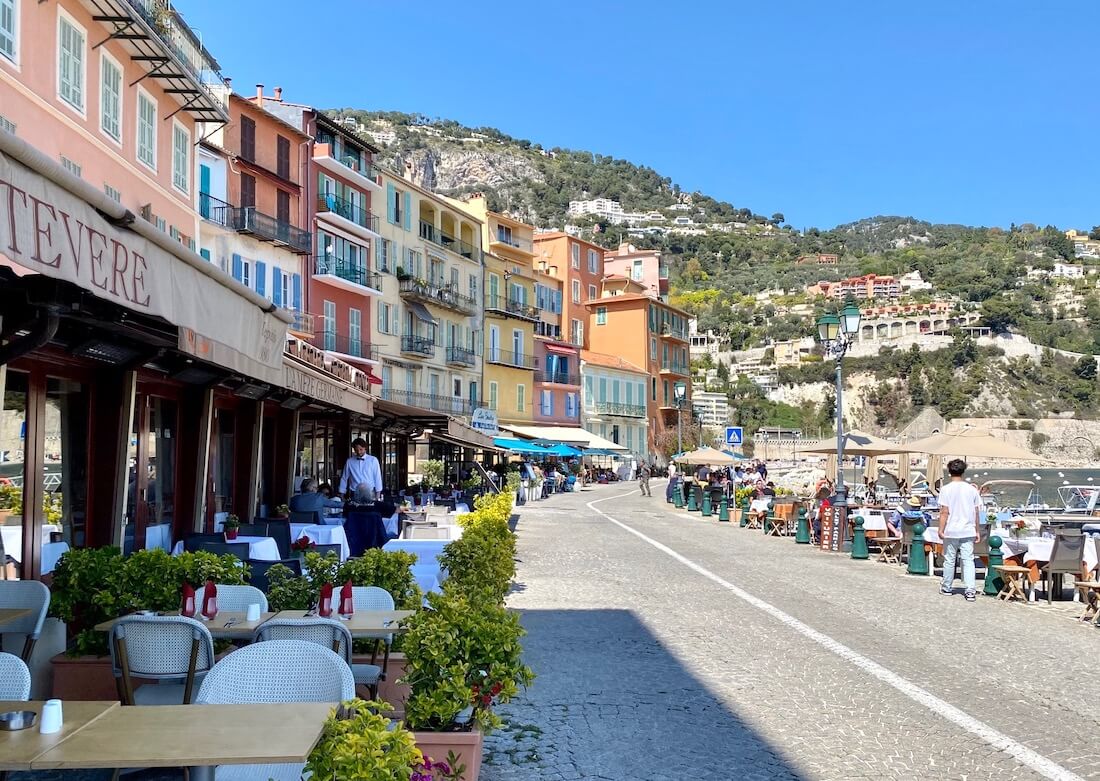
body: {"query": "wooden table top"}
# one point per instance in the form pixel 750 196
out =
pixel 12 613
pixel 191 736
pixel 364 623
pixel 240 629
pixel 19 749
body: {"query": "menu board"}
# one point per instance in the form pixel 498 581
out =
pixel 834 523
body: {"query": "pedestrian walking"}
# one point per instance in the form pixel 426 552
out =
pixel 644 473
pixel 960 527
pixel 673 483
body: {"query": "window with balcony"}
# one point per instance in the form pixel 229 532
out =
pixel 9 29
pixel 282 206
pixel 504 234
pixel 181 157
pixel 248 139
pixel 248 191
pixel 146 129
pixel 110 97
pixel 71 64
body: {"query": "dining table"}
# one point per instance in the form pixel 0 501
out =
pixel 199 737
pixel 326 534
pixel 226 625
pixel 18 750
pixel 362 623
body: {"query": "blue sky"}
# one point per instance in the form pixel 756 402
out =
pixel 983 113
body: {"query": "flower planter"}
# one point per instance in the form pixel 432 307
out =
pixel 389 690
pixel 83 678
pixel 230 534
pixel 465 745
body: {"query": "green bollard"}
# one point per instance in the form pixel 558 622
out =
pixel 859 540
pixel 918 560
pixel 706 504
pixel 692 507
pixel 724 509
pixel 802 535
pixel 994 582
pixel 745 504
pixel 678 495
pixel 769 522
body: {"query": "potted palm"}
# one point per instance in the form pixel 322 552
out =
pixel 230 526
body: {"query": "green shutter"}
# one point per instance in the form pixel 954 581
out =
pixel 408 211
pixel 391 217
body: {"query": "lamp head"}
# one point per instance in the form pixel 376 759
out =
pixel 850 317
pixel 828 328
pixel 680 389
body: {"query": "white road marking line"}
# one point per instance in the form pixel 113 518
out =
pixel 1026 756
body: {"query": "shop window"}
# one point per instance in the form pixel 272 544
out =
pixel 221 473
pixel 13 432
pixel 151 486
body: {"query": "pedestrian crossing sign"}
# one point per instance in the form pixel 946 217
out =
pixel 733 435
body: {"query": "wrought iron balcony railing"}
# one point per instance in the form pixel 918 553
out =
pixel 342 343
pixel 509 307
pixel 436 236
pixel 560 378
pixel 618 408
pixel 333 204
pixel 347 270
pixel 443 295
pixel 509 358
pixel 417 344
pixel 247 219
pixel 461 356
pixel 436 403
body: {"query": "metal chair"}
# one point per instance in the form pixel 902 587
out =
pixel 15 678
pixel 238 549
pixel 276 671
pixel 25 595
pixel 324 631
pixel 312 517
pixel 375 598
pixel 1065 558
pixel 236 598
pixel 279 530
pixel 161 648
pixel 192 541
pixel 257 571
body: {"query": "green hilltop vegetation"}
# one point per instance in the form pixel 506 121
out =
pixel 717 273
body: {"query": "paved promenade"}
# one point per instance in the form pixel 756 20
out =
pixel 670 647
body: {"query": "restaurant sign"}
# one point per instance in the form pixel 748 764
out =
pixel 45 229
pixel 306 381
pixel 485 421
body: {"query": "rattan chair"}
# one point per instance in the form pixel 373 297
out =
pixel 324 631
pixel 235 597
pixel 160 648
pixel 276 671
pixel 15 678
pixel 375 598
pixel 25 595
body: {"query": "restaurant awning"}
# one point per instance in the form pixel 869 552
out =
pixel 420 312
pixel 570 435
pixel 518 445
pixel 64 228
pixel 395 416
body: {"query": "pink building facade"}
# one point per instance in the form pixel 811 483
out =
pixel 557 360
pixel 119 112
pixel 642 266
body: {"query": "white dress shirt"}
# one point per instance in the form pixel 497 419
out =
pixel 361 469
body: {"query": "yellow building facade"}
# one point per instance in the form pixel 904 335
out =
pixel 510 313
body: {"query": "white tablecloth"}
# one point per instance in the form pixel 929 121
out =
pixel 322 535
pixel 873 520
pixel 760 505
pixel 1040 549
pixel 259 548
pixel 427 551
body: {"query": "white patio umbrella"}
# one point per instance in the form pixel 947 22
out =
pixel 972 443
pixel 859 443
pixel 708 456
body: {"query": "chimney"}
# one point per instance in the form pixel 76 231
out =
pixel 409 171
pixel 279 93
pixel 260 95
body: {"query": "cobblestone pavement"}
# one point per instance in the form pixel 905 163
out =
pixel 648 669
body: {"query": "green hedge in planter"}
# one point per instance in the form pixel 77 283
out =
pixel 361 744
pixel 91 585
pixel 376 567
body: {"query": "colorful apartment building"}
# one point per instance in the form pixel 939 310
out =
pixel 557 360
pixel 869 287
pixel 615 401
pixel 642 266
pixel 510 313
pixel 630 322
pixel 338 182
pixel 428 325
pixel 579 264
pixel 113 95
pixel 250 205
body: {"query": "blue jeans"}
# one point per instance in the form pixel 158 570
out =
pixel 958 546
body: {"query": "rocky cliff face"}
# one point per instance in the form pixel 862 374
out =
pixel 446 169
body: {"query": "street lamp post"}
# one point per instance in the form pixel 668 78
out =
pixel 836 333
pixel 680 391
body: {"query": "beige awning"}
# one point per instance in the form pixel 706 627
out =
pixel 708 456
pixel 47 229
pixel 859 443
pixel 972 443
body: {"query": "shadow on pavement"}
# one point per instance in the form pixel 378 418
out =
pixel 610 701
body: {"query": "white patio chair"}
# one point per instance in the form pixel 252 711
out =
pixel 276 671
pixel 235 598
pixel 327 632
pixel 26 595
pixel 161 648
pixel 15 678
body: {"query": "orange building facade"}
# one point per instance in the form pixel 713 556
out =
pixel 579 264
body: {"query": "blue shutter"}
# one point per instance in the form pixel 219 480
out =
pixel 389 205
pixel 378 255
pixel 408 211
pixel 261 277
pixel 205 254
pixel 297 292
pixel 277 286
pixel 238 267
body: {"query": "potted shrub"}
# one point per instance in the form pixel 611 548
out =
pixel 11 502
pixel 230 526
pixel 401 274
pixel 282 511
pixel 360 744
pixel 92 585
pixel 462 660
pixel 431 474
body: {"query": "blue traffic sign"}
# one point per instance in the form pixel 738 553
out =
pixel 734 435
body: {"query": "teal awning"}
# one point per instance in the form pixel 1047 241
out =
pixel 519 446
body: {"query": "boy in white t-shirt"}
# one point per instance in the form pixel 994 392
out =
pixel 960 528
